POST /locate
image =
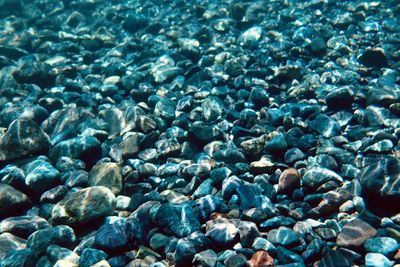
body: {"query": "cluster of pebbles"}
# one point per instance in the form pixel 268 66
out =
pixel 199 133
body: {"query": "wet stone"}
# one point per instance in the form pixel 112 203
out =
pixel 222 235
pixel 12 201
pixel 22 138
pixel 207 258
pixel 41 175
pixel 107 175
pixel 289 180
pixel 374 57
pixel 377 260
pixel 91 256
pixel 355 233
pixel 383 245
pixel 284 236
pixel 179 220
pixel 22 257
pixel 23 226
pixel 111 236
pixel 99 202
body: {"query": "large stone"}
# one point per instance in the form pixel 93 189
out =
pixel 108 175
pixel 23 137
pixel 111 236
pixel 317 176
pixel 354 234
pixel 23 226
pixel 10 242
pixel 61 235
pixel 380 183
pixel 84 206
pixel 19 258
pixel 179 220
pixel 41 175
pixel 12 201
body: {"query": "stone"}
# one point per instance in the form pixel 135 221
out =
pixel 317 176
pixel 383 245
pixel 111 236
pixel 56 253
pixel 41 175
pixel 19 258
pixel 373 57
pixel 212 108
pixel 61 235
pixel 206 258
pixel 340 98
pixel 325 126
pixel 12 201
pixel 165 108
pixel 23 226
pixel 251 196
pixel 263 244
pixel 377 260
pixel 354 234
pixel 248 232
pixel 22 138
pixel 379 183
pixel 98 202
pixel 261 259
pixel 222 235
pixel 284 236
pixel 86 148
pixel 91 256
pixel 106 174
pixel 10 242
pixel 288 181
pixel 179 220
pixel 236 260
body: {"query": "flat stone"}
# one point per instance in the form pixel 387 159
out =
pixel 383 245
pixel 108 175
pixel 354 234
pixel 284 236
pixel 23 226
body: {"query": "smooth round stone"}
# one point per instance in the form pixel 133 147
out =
pixel 293 155
pixel 383 245
pixel 41 175
pixel 91 256
pixel 277 144
pixel 108 175
pixel 317 176
pixel 209 204
pixel 250 196
pixel 325 126
pixel 99 202
pixel 111 236
pixel 236 260
pixel 373 57
pixel 288 181
pixel 61 235
pixel 222 234
pixel 165 108
pixel 22 138
pixel 284 236
pixel 23 226
pixel 159 241
pixel 377 260
pixel 287 256
pixel 206 258
pixel 340 98
pixel 383 146
pixel 12 201
pixel 248 231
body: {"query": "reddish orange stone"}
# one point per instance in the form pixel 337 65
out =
pixel 261 259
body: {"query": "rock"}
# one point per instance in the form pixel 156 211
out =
pixel 289 180
pixel 325 126
pixel 340 98
pixel 179 220
pixel 284 236
pixel 206 258
pixel 383 245
pixel 287 256
pixel 134 22
pixel 55 194
pixel 377 260
pixel 236 260
pixel 336 257
pixel 91 256
pixel 41 175
pixel 19 258
pixel 250 37
pixel 165 108
pixel 10 242
pixel 261 259
pixel 23 138
pixel 99 202
pixel 263 244
pixel 316 176
pixel 12 201
pixel 108 175
pixel 294 154
pixel 250 196
pixel 61 235
pixel 23 226
pixel 379 191
pixel 56 253
pixel 86 148
pixel 222 235
pixel 248 232
pixel 139 222
pixel 354 234
pixel 373 57
pixel 111 236
pixel 212 108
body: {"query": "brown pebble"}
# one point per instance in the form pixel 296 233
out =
pixel 261 259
